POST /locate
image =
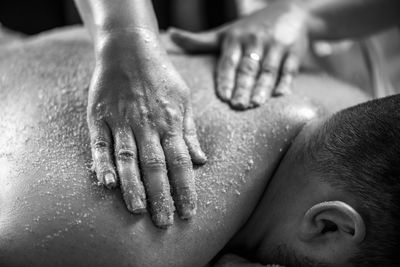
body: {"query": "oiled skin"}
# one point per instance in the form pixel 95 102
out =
pixel 52 213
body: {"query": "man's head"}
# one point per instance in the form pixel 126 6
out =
pixel 335 198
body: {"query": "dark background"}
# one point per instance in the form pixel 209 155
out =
pixel 34 16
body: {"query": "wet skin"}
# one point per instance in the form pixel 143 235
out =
pixel 254 50
pixel 52 212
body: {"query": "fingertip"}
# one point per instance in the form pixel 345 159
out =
pixel 239 104
pixel 196 153
pixel 109 180
pixel 138 210
pixel 135 199
pixel 187 212
pixel 180 39
pixel 136 206
pixel 278 93
pixel 163 221
pixel 224 93
pixel 186 203
pixel 177 33
pixel 189 41
pixel 282 91
pixel 162 211
pixel 198 157
pixel 259 99
pixel 192 142
pixel 172 29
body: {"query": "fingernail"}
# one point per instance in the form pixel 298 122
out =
pixel 186 203
pixel 282 90
pixel 109 180
pixel 163 220
pixel 257 101
pixel 137 206
pixel 171 29
pixel 187 211
pixel 225 94
pixel 239 104
pixel 202 157
pixel 162 210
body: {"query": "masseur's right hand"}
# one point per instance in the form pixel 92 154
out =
pixel 141 125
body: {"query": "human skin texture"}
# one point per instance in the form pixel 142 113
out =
pixel 53 213
pixel 139 109
pixel 275 40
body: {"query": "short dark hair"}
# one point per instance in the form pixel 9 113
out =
pixel 358 151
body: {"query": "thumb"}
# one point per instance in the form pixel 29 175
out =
pixel 207 41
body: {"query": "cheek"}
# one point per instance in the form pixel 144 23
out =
pixel 272 253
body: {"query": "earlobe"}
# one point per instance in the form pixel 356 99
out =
pixel 332 217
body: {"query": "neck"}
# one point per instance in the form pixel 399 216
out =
pixel 247 239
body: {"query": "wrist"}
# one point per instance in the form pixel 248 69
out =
pixel 122 43
pixel 310 22
pixel 319 17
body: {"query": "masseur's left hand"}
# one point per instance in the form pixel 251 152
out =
pixel 260 54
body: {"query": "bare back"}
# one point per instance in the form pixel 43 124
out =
pixel 52 212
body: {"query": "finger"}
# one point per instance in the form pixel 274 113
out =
pixel 128 170
pixel 101 144
pixel 154 173
pixel 191 139
pixel 180 172
pixel 227 66
pixel 268 75
pixel 289 71
pixel 246 75
pixel 195 42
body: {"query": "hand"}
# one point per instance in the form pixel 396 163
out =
pixel 139 110
pixel 260 54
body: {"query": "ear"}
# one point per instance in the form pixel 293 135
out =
pixel 332 229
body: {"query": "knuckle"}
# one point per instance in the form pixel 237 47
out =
pixel 190 132
pixel 291 66
pixel 143 112
pixel 153 163
pixel 225 83
pixel 252 37
pixel 180 160
pixel 126 154
pixel 248 68
pixel 100 144
pixel 222 77
pixel 228 62
pixel 243 83
pixel 270 65
pixel 173 115
pixel 97 108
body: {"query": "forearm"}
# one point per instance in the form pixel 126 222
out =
pixel 338 19
pixel 107 20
